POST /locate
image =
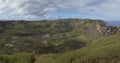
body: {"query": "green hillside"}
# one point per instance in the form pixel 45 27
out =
pixel 104 50
pixel 52 36
pixel 17 58
pixel 59 41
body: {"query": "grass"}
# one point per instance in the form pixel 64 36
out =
pixel 104 50
pixel 44 35
pixel 16 58
pixel 38 35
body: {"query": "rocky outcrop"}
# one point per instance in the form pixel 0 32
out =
pixel 107 31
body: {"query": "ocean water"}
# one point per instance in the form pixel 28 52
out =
pixel 114 23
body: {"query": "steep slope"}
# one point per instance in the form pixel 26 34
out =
pixel 53 36
pixel 104 50
pixel 59 41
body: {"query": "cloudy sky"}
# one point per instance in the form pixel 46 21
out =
pixel 56 9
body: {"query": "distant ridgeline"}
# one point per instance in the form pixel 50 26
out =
pixel 52 36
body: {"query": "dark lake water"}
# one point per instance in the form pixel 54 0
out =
pixel 114 23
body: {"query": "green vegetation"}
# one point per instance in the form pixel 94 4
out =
pixel 53 36
pixel 104 50
pixel 17 58
pixel 59 41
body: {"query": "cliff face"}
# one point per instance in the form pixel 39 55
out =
pixel 107 31
pixel 53 36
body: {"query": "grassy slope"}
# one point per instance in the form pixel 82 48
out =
pixel 105 50
pixel 48 33
pixel 16 58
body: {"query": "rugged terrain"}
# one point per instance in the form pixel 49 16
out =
pixel 59 41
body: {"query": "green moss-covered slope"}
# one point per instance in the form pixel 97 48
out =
pixel 59 41
pixel 52 36
pixel 104 50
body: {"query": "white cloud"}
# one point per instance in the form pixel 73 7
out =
pixel 44 8
pixel 26 7
pixel 109 9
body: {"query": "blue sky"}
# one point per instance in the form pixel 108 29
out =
pixel 57 9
